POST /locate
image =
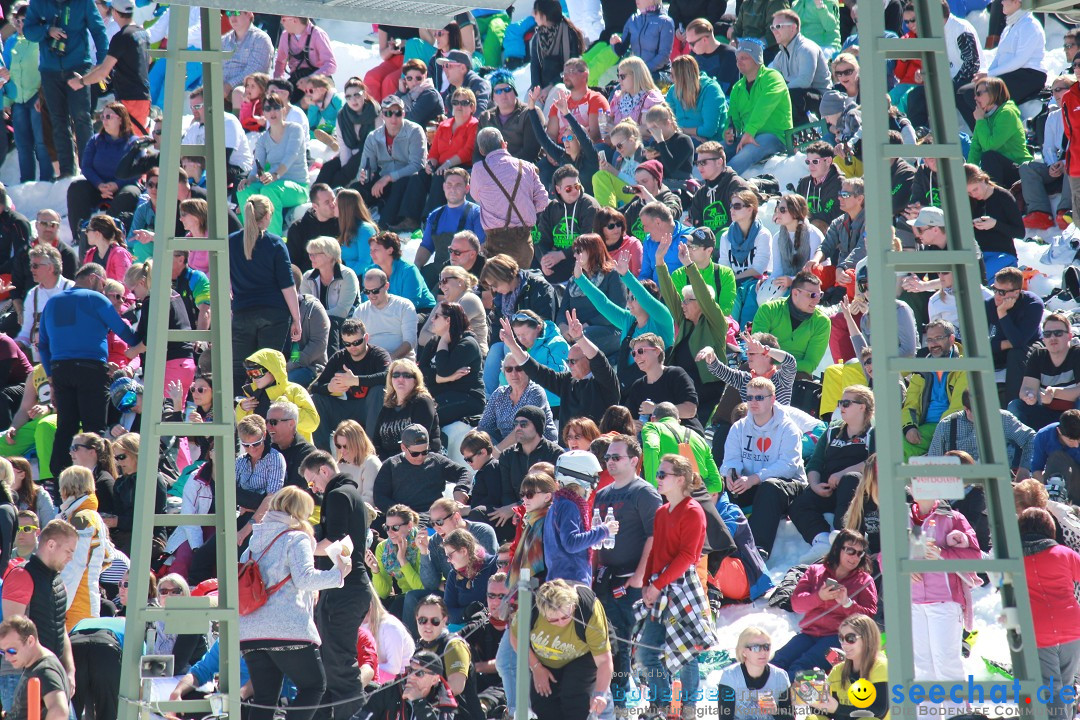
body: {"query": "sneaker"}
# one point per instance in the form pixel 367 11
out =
pixel 1038 221
pixel 1064 218
pixel 818 549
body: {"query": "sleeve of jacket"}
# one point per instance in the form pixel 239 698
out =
pixel 654 307
pixel 544 226
pixel 302 567
pixel 716 318
pixel 555 381
pixel 383 492
pixel 912 413
pixel 1019 435
pixel 1022 328
pixel 86 160
pixel 713 113
pixel 614 314
pixel 650 450
pixel 830 244
pixel 819 343
pixel 333 366
pixel 671 296
pixel 309 416
pixel 768 102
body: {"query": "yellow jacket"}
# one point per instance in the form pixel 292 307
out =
pixel 274 361
pixel 93 553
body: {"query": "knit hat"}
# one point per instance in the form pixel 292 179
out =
pixel 502 77
pixel 833 102
pixel 752 47
pixel 534 415
pixel 654 168
pixel 124 393
pixel 414 434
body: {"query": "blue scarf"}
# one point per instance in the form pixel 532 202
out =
pixel 509 301
pixel 742 246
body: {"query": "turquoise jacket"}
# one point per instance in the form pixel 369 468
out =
pixel 551 351
pixel 21 59
pixel 709 117
pixel 325 119
pixel 357 254
pixel 406 282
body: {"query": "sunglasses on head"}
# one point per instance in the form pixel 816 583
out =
pixel 434 622
pixel 418 453
pixel 392 113
pixel 849 638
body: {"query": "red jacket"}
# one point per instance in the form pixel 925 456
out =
pixel 905 69
pixel 678 537
pixel 447 143
pixel 1051 573
pixel 821 617
pixel 1070 113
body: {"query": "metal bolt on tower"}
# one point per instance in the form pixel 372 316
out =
pixel 992 471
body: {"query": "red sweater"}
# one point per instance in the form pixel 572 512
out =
pixel 905 69
pixel 816 621
pixel 447 143
pixel 1050 576
pixel 678 537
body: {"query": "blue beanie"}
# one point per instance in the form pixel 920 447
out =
pixel 500 77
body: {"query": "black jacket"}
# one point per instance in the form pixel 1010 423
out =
pixel 294 455
pixel 537 295
pixel 559 225
pixel 514 464
pixel 370 369
pixel 710 204
pixel 632 211
pixel 48 605
pixel 465 353
pixel 401 482
pixel 580 398
pixel 824 198
pixel 343 513
pixel 308 227
pixel 516 129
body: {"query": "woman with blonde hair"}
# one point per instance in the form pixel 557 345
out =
pixel 322 103
pixel 845 74
pixel 637 92
pixel 125 450
pixel 93 551
pixel 457 285
pixel 356 456
pixel 186 648
pixel 860 640
pixel 335 284
pixel 280 637
pixel 671 571
pixel 95 453
pixel 357 228
pixel 753 688
pixel 407 401
pixel 179 356
pixel 264 297
pixel 862 512
pixel 699 104
pixel 9 519
pixel 617 171
pixel 834 471
pixel 392 639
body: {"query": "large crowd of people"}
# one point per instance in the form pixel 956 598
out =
pixel 492 321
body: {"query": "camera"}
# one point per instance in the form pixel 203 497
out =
pixel 629 189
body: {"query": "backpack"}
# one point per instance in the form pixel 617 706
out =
pixel 583 613
pixel 252 590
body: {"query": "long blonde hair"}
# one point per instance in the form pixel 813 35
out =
pixel 256 209
pixel 867 489
pixel 296 503
pixel 687 76
pixel 637 68
pixel 356 440
pixel 139 272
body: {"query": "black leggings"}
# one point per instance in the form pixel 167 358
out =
pixel 455 405
pixel 269 662
pixel 571 692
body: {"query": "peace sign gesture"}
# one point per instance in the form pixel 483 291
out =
pixel 574 327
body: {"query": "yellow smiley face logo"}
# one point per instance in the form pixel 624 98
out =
pixel 862 694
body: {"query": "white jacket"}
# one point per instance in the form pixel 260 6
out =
pixel 1023 45
pixel 772 450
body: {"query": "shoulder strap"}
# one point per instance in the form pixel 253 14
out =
pixel 586 600
pixel 464 217
pixel 267 548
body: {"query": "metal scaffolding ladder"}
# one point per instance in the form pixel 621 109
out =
pixel 992 471
pixel 194 614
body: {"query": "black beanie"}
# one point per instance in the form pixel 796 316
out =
pixel 534 415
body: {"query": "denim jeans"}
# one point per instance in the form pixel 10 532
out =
pixel 656 674
pixel 67 108
pixel 30 142
pixel 301 376
pixel 493 367
pixel 804 652
pixel 768 145
pixel 506 666
pixel 620 615
pixel 8 684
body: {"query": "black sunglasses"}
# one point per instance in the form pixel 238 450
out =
pixel 354 343
pixel 435 622
pixel 418 453
pixel 374 291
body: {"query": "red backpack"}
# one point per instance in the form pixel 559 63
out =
pixel 252 590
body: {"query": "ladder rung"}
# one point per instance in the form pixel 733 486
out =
pixel 192 56
pixel 207 612
pixel 980 471
pixel 200 150
pixel 932 364
pixel 197 707
pixel 928 260
pixel 940 152
pixel 197 429
pixel 180 519
pixel 192 243
pixel 975 565
pixel 191 336
pixel 900 48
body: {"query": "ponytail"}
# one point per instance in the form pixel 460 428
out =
pixel 256 208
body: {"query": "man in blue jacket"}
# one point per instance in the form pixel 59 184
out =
pixel 72 343
pixel 659 224
pixel 63 30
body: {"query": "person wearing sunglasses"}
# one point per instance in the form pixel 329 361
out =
pixel 265 380
pixel 647 186
pixel 260 472
pixel 753 684
pixel 502 405
pixel 342 388
pixel 458 285
pixel 510 115
pixel 45 265
pixel 395 561
pixel 418 475
pixel 453 651
pixel 82 574
pixel 1039 178
pixel 799 58
pixel 334 283
pixel 252 51
pixel 861 645
pixel 447 232
pixel 406 401
pixel 470 567
pixel 423 102
pixel 1039 406
pixel 569 215
pixel 386 169
pixel 435 564
pixel 809 339
pixel 570 145
pixel 1014 314
pixel 422 693
pixel 844 244
pixel 822 185
pixel 842 585
pixel 26 539
pixel 323 103
pixel 24 651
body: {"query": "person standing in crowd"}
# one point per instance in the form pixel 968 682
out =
pixel 303 49
pixel 21 58
pixel 72 344
pixel 63 31
pixel 339 612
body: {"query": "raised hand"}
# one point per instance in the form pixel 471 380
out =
pixel 574 327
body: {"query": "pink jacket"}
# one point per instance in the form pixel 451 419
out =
pixel 946 587
pixel 822 618
pixel 290 49
pixel 530 199
pixel 119 260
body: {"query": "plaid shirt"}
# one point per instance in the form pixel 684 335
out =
pixel 1017 434
pixel 252 54
pixel 268 475
pixel 683 610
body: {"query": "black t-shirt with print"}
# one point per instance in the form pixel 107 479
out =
pixel 130 48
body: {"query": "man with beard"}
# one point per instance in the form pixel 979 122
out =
pixel 932 395
pixel 585 104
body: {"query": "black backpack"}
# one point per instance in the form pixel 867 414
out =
pixel 583 614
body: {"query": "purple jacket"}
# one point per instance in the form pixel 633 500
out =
pixel 947 587
pixel 530 199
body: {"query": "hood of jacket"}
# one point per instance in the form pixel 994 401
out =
pixel 273 361
pixel 262 534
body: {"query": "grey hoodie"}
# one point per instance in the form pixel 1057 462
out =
pixel 288 613
pixel 772 450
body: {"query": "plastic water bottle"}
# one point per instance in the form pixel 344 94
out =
pixel 609 541
pixel 595 524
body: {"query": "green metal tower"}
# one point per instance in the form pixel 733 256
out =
pixel 992 472
pixel 193 615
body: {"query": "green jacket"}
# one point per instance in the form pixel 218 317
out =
pixel 711 329
pixel 820 23
pixel 660 437
pixel 721 280
pixel 22 58
pixel 765 108
pixel 807 343
pixel 1003 131
pixel 754 18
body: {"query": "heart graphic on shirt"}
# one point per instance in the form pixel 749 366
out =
pixel 764 443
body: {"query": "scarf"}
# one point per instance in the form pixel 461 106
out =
pixel 348 121
pixel 529 552
pixel 629 104
pixel 548 38
pixel 75 504
pixel 1016 17
pixel 792 260
pixel 742 246
pixel 389 554
pixel 798 317
pixel 467 574
pixel 574 290
pixel 510 299
pixel 917 518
